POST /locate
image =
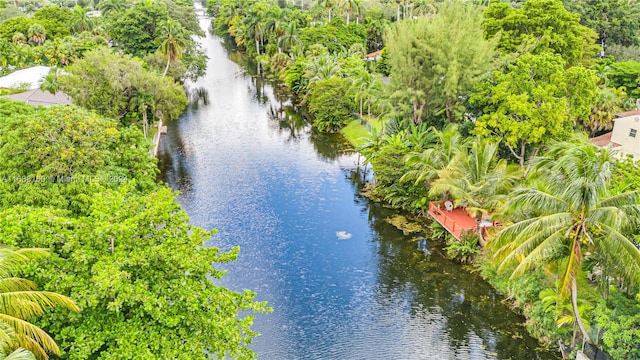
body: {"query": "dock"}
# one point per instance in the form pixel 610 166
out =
pixel 456 221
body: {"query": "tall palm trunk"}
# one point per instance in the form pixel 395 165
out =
pixel 574 304
pixel 166 68
pixel 257 46
pixel 145 124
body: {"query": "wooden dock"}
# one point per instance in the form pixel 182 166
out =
pixel 457 221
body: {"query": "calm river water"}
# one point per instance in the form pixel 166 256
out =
pixel 342 282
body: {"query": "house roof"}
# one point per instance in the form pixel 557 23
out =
pixel 373 55
pixel 43 98
pixel 628 113
pixel 603 140
pixel 32 77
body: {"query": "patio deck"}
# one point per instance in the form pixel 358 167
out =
pixel 456 221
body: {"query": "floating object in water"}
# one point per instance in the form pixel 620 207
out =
pixel 343 235
pixel 422 245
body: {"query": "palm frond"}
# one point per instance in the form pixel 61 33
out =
pixel 31 337
pixel 20 354
pixel 622 255
pixel 10 284
pixel 14 303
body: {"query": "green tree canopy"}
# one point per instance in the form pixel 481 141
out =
pixel 21 302
pixel 59 156
pixel 569 213
pixel 136 29
pixel 540 26
pixel 613 20
pixel 106 82
pixel 435 62
pixel 535 102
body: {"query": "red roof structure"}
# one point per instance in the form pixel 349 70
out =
pixel 628 113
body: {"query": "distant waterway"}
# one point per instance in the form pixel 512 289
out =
pixel 342 282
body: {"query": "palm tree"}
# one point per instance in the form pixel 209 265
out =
pixel 50 82
pixel 276 22
pixel 328 6
pixel 81 21
pixel 322 67
pixel 351 7
pixel 143 101
pixel 173 42
pixel 364 85
pixel 18 354
pixel 37 34
pixel 18 38
pixel 19 301
pixel 447 144
pixel 568 211
pixel 108 6
pixel 477 178
pixel 289 38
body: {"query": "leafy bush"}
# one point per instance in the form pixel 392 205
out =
pixel 330 104
pixel 465 249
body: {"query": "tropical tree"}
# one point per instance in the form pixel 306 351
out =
pixel 19 38
pixel 447 144
pixel 20 301
pixel 173 41
pixel 364 86
pixel 436 62
pixel 143 101
pixel 37 34
pixel 18 354
pixel 81 21
pixel 568 213
pixel 289 38
pixel 50 82
pixel 327 6
pixel 111 6
pixel 351 7
pixel 477 178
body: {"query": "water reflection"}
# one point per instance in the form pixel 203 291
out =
pixel 343 282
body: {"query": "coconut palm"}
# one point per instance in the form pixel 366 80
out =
pixel 364 85
pixel 447 144
pixel 276 23
pixel 81 21
pixel 173 41
pixel 568 211
pixel 327 6
pixel 19 301
pixel 351 7
pixel 477 178
pixel 322 67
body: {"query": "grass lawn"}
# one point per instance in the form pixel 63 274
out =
pixel 355 132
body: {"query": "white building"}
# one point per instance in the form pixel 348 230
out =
pixel 625 136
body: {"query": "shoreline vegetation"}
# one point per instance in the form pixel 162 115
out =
pixel 98 260
pixel 489 107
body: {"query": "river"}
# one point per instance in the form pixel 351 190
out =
pixel 342 282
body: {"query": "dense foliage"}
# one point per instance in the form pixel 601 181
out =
pixel 121 247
